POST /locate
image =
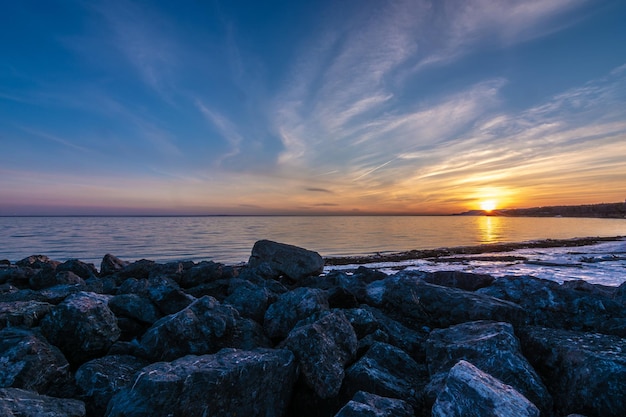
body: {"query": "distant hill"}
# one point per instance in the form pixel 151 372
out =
pixel 604 210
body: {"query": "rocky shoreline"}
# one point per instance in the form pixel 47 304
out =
pixel 278 337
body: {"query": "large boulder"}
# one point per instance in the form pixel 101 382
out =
pixel 79 268
pixel 167 296
pixel 111 264
pixel 387 371
pixel 135 307
pixel 274 259
pixel 229 383
pixel 16 402
pixel 467 281
pixel 82 326
pixel 205 326
pixel 493 348
pixel 30 362
pixel 409 299
pixel 292 307
pixel 22 313
pixel 364 404
pixel 586 372
pixel 472 392
pixel 323 348
pixel 46 279
pixel 100 379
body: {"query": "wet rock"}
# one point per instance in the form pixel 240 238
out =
pixel 111 264
pixel 228 383
pixel 15 402
pixel 167 295
pixel 472 392
pixel 275 259
pixel 22 313
pixel 493 348
pixel 292 307
pixel 387 371
pixel 585 372
pixel 407 298
pixel 322 349
pixel 82 269
pixel 99 379
pixel 82 326
pixel 205 326
pixel 28 361
pixel 552 305
pixel 467 281
pixel 364 404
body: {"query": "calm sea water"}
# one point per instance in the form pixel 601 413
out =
pixel 230 239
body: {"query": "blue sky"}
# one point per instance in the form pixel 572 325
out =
pixel 247 107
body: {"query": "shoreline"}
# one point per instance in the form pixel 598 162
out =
pixel 465 250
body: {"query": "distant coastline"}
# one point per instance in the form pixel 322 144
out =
pixel 601 211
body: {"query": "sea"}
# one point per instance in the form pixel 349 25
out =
pixel 229 239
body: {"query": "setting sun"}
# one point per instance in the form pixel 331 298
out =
pixel 488 205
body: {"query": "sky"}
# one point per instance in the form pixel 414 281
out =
pixel 310 107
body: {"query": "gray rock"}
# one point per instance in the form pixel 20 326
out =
pixel 28 361
pixel 99 379
pixel 167 295
pixel 229 383
pixel 493 348
pixel 292 307
pixel 470 392
pixel 323 348
pixel 46 279
pixel 79 268
pixel 82 326
pixel 251 300
pixel 467 281
pixel 276 259
pixel 407 298
pixel 37 261
pixel 22 313
pixel 586 372
pixel 111 264
pixel 135 307
pixel 205 326
pixel 15 402
pixel 387 371
pixel 365 404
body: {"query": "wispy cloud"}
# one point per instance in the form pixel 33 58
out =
pixel 225 127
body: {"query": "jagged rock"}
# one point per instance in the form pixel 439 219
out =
pixel 292 307
pixel 231 382
pixel 407 298
pixel 274 259
pixel 139 269
pixel 552 305
pixel 203 272
pixel 251 300
pixel 585 372
pixel 371 326
pixel 134 286
pixel 620 294
pixel 53 295
pixel 82 326
pixel 15 402
pixel 323 348
pixel 135 307
pixel 467 281
pixel 589 288
pixel 28 361
pixel 472 392
pixel 387 371
pixel 82 269
pixel 167 295
pixel 205 326
pixel 46 279
pixel 111 264
pixel 493 348
pixel 364 404
pixel 99 379
pixel 22 313
pixel 37 262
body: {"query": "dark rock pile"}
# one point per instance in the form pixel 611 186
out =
pixel 279 338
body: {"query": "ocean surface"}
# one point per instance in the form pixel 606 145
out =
pixel 229 239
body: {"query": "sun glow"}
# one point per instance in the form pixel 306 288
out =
pixel 488 205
